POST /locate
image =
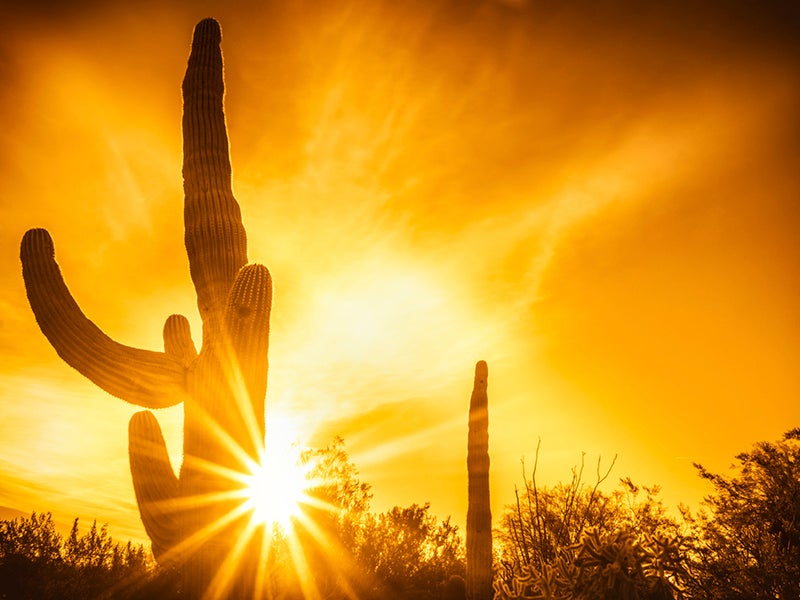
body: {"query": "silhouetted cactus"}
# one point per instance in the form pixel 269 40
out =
pixel 194 519
pixel 479 514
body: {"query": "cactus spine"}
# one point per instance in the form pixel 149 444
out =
pixel 479 514
pixel 194 520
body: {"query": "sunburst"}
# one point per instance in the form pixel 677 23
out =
pixel 275 488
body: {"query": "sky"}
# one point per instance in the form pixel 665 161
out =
pixel 600 199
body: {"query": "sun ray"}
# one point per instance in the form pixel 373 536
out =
pixel 236 382
pixel 261 569
pixel 224 438
pixel 330 548
pixel 303 569
pixel 263 499
pixel 394 447
pixel 221 583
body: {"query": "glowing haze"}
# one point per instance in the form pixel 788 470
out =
pixel 602 203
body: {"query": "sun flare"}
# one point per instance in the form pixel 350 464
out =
pixel 276 488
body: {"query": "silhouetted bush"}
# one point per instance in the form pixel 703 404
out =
pixel 573 541
pixel 37 563
pixel 349 550
pixel 409 553
pixel 748 540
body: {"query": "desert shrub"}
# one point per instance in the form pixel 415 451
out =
pixel 37 563
pixel 574 541
pixel 340 548
pixel 748 533
pixel 409 553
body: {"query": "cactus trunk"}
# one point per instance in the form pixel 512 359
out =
pixel 479 514
pixel 196 521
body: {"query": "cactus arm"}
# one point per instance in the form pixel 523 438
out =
pixel 178 339
pixel 479 515
pixel 247 327
pixel 215 237
pixel 154 483
pixel 224 421
pixel 148 379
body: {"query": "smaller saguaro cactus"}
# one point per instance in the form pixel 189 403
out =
pixel 479 514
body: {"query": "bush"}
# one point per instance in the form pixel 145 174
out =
pixel 748 536
pixel 573 541
pixel 37 563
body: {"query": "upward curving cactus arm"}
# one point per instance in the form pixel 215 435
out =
pixel 178 339
pixel 228 383
pixel 216 241
pixel 247 328
pixel 148 379
pixel 155 484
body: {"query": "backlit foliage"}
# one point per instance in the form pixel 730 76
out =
pixel 38 563
pixel 574 541
pixel 748 538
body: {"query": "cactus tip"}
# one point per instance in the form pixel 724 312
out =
pixel 259 270
pixel 208 30
pixel 39 241
pixel 481 369
pixel 141 421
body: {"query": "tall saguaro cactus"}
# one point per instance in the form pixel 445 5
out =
pixel 479 514
pixel 194 520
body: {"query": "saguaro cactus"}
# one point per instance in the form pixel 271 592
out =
pixel 194 520
pixel 479 514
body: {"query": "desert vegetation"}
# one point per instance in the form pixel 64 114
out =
pixel 37 562
pixel 573 540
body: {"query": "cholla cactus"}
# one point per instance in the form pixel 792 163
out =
pixel 194 520
pixel 479 515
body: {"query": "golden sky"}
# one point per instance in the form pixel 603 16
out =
pixel 601 200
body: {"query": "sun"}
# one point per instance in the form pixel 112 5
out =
pixel 275 489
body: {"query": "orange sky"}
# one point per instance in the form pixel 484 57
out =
pixel 603 202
